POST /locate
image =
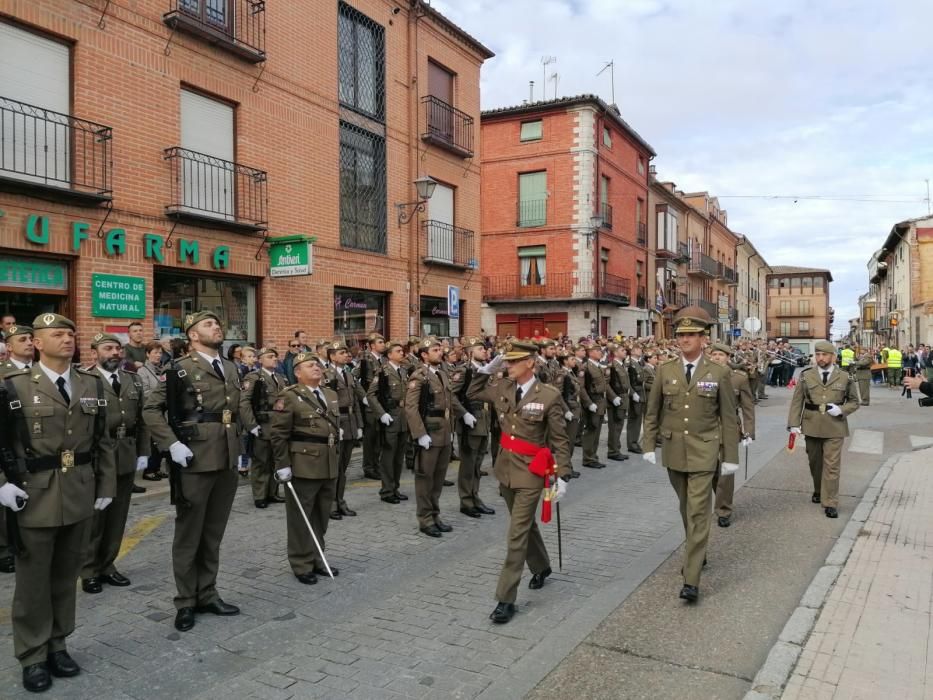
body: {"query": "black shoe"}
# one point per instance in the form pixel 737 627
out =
pixel 152 477
pixel 261 504
pixel 485 510
pixel 574 474
pixel 401 496
pixel 442 526
pixel 372 475
pixel 7 565
pixel 62 665
pixel 617 458
pixel 334 515
pixel 345 511
pixel 690 593
pixel 115 579
pixel 91 585
pixel 725 521
pixel 831 512
pixel 184 619
pixel 321 571
pixel 815 498
pixel 36 678
pixel 218 607
pixel 483 472
pixel 471 512
pixel 636 450
pixel 275 499
pixel 595 465
pixel 138 489
pixel 765 396
pixel 431 531
pixel 503 613
pixel 307 579
pixel 537 580
pixel 447 482
pixel 391 499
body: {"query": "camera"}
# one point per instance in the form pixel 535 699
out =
pixel 926 401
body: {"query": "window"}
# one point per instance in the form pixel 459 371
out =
pixel 803 326
pixel 607 137
pixel 532 199
pixel 773 282
pixel 785 328
pixel 441 89
pixel 232 299
pixel 532 265
pixel 795 283
pixel 217 13
pixel 361 57
pixel 817 282
pixel 362 189
pixel 668 224
pixel 359 312
pixel 441 228
pixel 641 165
pixel 207 129
pixel 803 307
pixel 532 131
pixel 807 283
pixel 603 266
pixel 785 283
pixel 785 308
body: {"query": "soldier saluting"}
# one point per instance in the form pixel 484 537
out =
pixel 205 449
pixel 260 389
pixel 62 471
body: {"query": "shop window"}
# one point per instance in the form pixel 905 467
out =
pixel 359 312
pixel 362 189
pixel 532 131
pixel 233 300
pixel 435 318
pixel 532 265
pixel 361 59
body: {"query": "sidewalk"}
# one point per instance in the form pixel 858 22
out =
pixel 872 636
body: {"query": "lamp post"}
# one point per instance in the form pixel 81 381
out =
pixel 425 188
pixel 596 223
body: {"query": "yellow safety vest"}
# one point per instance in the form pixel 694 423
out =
pixel 848 356
pixel 894 359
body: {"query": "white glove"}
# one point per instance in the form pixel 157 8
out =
pixel 141 463
pixel 8 495
pixel 834 411
pixel 636 398
pixel 102 503
pixel 728 468
pixel 617 401
pixel 469 419
pixel 493 366
pixel 649 457
pixel 796 430
pixel 561 491
pixel 424 442
pixel 568 416
pixel 284 474
pixel 386 419
pixel 591 408
pixel 340 437
pixel 255 431
pixel 359 433
pixel 180 453
pixel 366 402
pixel 747 441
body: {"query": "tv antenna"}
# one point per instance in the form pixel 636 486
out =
pixel 556 78
pixel 545 62
pixel 612 78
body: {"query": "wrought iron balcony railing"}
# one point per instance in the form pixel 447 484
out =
pixel 615 288
pixel 642 233
pixel 605 211
pixel 238 26
pixel 447 127
pixel 216 192
pixel 531 212
pixel 445 244
pixel 704 265
pixel 708 306
pixel 558 286
pixel 54 155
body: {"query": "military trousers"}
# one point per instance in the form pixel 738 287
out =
pixel 430 471
pixel 753 385
pixel 472 453
pixel 107 530
pixel 317 499
pixel 725 490
pixel 44 597
pixel 199 529
pixel 573 428
pixel 864 390
pixel 593 424
pixel 636 413
pixel 694 493
pixel 261 471
pixel 825 457
pixel 344 452
pixel 4 545
pixel 524 541
pixel 495 437
pixel 394 446
pixel 616 423
pixel 372 442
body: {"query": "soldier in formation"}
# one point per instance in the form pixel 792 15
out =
pixel 474 430
pixel 259 391
pixel 386 396
pixel 339 379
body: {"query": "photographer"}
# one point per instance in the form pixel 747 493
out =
pixel 913 383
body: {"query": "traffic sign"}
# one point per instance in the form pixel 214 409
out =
pixel 752 324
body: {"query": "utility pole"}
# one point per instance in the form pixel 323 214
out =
pixel 612 78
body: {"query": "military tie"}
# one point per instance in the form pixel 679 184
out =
pixel 319 397
pixel 115 383
pixel 346 379
pixel 60 382
pixel 518 395
pixel 689 371
pixel 217 368
pixel 825 376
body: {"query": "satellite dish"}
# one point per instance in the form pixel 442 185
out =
pixel 752 324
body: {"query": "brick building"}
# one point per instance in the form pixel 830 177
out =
pixel 164 156
pixel 668 253
pixel 798 305
pixel 564 224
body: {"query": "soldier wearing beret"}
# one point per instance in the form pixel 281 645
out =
pixel 124 394
pixel 57 413
pixel 569 385
pixel 636 399
pixel 304 433
pixel 387 399
pixel 618 392
pixel 368 365
pixel 339 379
pixel 691 413
pixel 207 453
pixel 259 392
pixel 823 399
pixel 534 436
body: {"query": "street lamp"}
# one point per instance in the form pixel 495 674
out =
pixel 425 187
pixel 596 223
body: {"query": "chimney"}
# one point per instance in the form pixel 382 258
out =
pixel 531 91
pixel 652 169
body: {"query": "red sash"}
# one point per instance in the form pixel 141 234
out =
pixel 542 464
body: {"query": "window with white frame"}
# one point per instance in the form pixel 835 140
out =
pixel 532 265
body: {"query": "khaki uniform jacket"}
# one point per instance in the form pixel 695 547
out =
pixel 744 402
pixel 297 413
pixel 624 387
pixel 863 366
pixel 367 367
pixel 480 410
pixel 636 377
pixel 125 421
pixel 538 418
pixel 445 409
pixel 694 422
pixel 815 422
pixel 7 367
pixel 393 403
pixel 351 419
pixel 216 445
pixel 66 495
pixel 249 386
pixel 571 395
pixel 594 386
pixel 650 373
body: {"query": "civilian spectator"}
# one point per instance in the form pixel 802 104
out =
pixel 247 362
pixel 294 347
pixel 4 354
pixel 150 375
pixel 6 321
pixel 134 351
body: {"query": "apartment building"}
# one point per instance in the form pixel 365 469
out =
pixel 751 292
pixel 668 253
pixel 798 307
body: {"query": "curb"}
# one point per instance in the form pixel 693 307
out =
pixel 771 678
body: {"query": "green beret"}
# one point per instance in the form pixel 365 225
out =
pixel 336 345
pixel 266 351
pixel 195 319
pixel 100 338
pixel 17 330
pixel 722 347
pixel 825 346
pixel 304 357
pixel 53 321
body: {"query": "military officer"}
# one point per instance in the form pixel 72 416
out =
pixel 339 379
pixel 387 399
pixel 745 405
pixel 618 392
pixel 431 410
pixel 863 375
pixel 474 432
pixel 652 360
pixel 569 385
pixel 206 450
pixel 593 395
pixel 304 432
pixel 534 433
pixel 259 390
pixel 636 407
pixel 691 412
pixel 56 414
pixel 368 365
pixel 124 394
pixel 823 399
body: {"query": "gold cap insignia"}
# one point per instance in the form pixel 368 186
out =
pixel 48 318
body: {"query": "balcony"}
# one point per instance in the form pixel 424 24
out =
pixel 703 266
pixel 641 300
pixel 531 213
pixel 730 276
pixel 237 26
pixel 791 313
pixel 559 286
pixel 615 288
pixel 448 245
pixel 447 127
pixel 708 306
pixel 54 156
pixel 208 191
pixel 642 234
pixel 605 211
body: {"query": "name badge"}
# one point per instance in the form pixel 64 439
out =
pixel 121 432
pixel 227 417
pixel 37 427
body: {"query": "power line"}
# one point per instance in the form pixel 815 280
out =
pixel 874 199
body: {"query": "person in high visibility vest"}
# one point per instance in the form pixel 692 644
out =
pixel 846 357
pixel 895 364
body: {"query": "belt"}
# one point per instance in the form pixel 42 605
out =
pixel 542 460
pixel 438 413
pixel 64 460
pixel 261 417
pixel 313 438
pixel 212 417
pixel 821 407
pixel 345 411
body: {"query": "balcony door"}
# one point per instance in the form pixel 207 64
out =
pixel 206 168
pixel 441 88
pixel 215 13
pixel 34 105
pixel 441 224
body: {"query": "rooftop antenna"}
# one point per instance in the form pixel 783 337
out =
pixel 928 197
pixel 545 62
pixel 556 78
pixel 612 77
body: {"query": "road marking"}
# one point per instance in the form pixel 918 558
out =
pixel 867 441
pixel 139 531
pixel 918 442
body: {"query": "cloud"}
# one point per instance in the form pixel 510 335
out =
pixel 830 98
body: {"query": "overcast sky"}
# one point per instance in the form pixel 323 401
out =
pixel 824 98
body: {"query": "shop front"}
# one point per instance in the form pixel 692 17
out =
pixel 30 286
pixel 435 318
pixel 359 312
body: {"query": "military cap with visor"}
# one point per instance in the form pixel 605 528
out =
pixel 519 350
pixel 267 351
pixel 304 357
pixel 692 319
pixel 722 347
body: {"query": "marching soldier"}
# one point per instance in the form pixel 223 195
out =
pixel 569 385
pixel 652 360
pixel 691 412
pixel 387 400
pixel 430 411
pixel 257 397
pixel 745 406
pixel 534 438
pixel 369 364
pixel 823 399
pixel 863 376
pixel 340 380
pixel 636 407
pixel 205 393
pixel 304 432
pixel 56 427
pixel 593 394
pixel 618 393
pixel 124 394
pixel 474 432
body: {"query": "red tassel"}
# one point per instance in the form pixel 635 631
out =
pixel 546 510
pixel 791 439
